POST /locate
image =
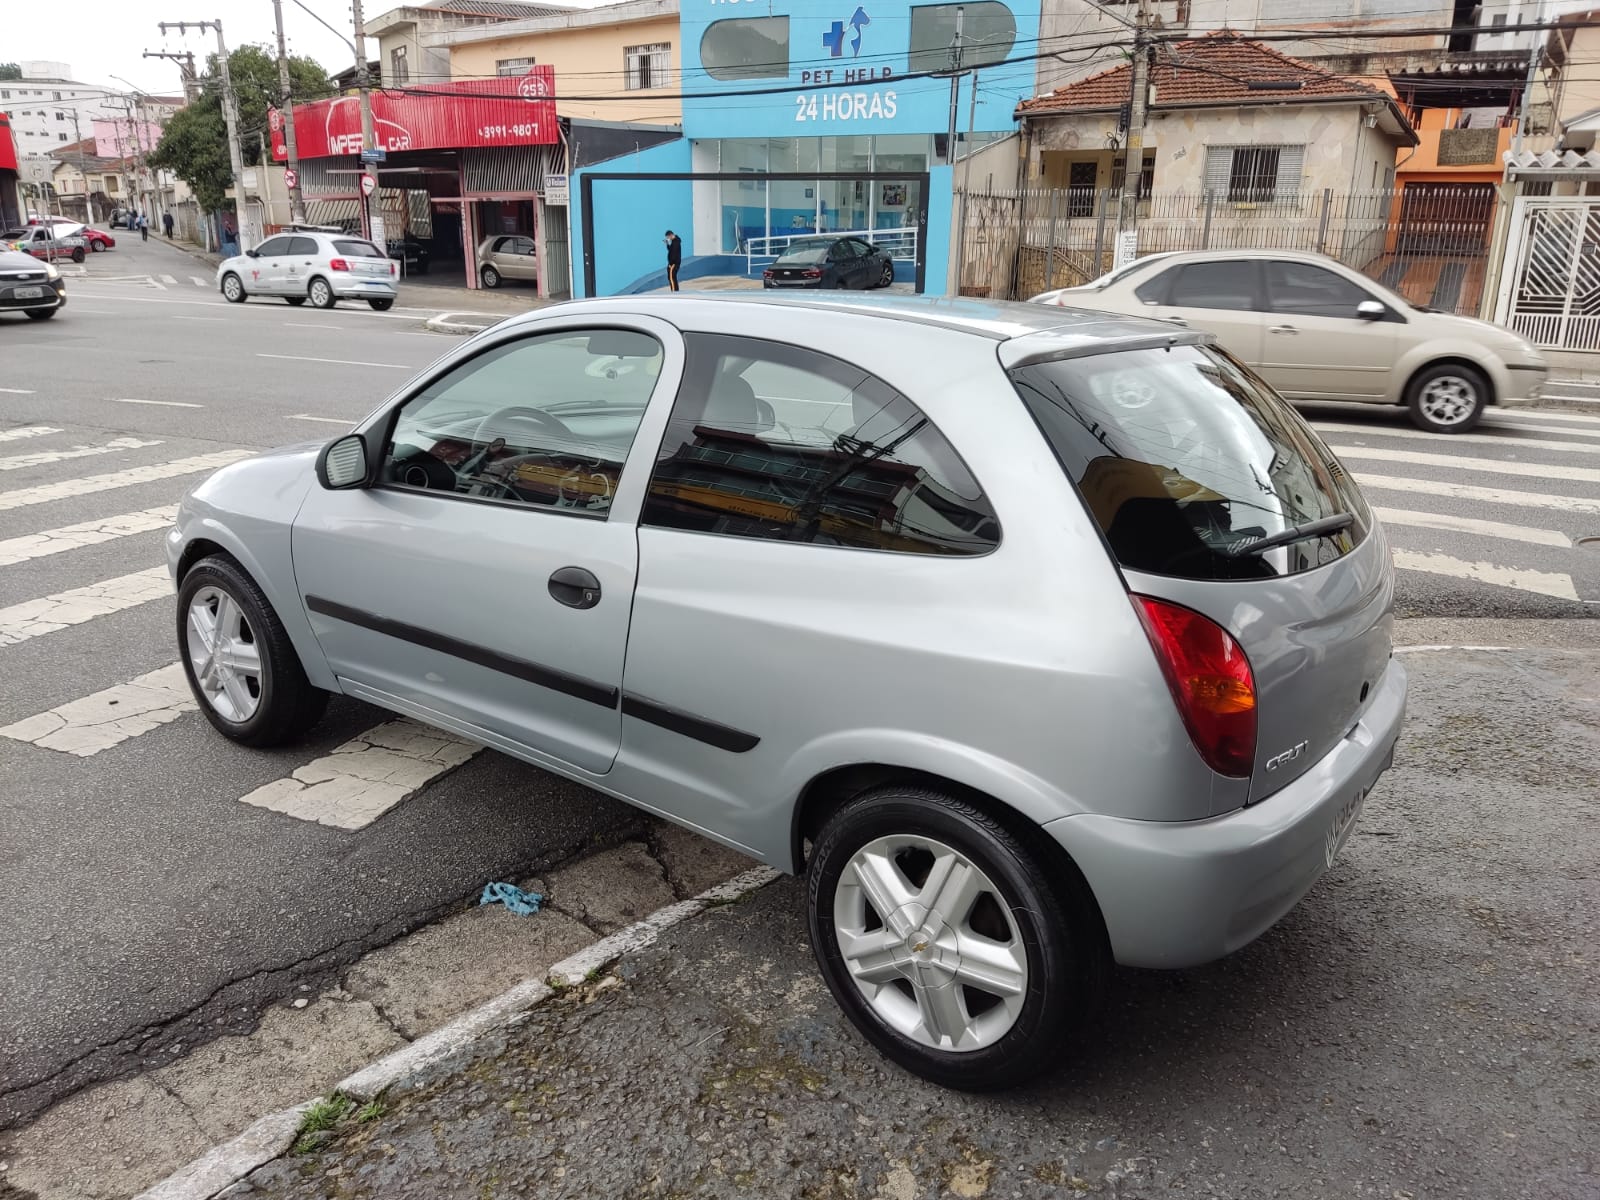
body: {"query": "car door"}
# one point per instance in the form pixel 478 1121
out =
pixel 268 266
pixel 518 254
pixel 1221 296
pixel 865 264
pixel 483 578
pixel 299 258
pixel 1317 345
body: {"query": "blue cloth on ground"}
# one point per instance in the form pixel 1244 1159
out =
pixel 514 898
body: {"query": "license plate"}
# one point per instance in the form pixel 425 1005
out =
pixel 27 293
pixel 1342 824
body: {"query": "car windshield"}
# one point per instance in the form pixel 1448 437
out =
pixel 1185 460
pixel 358 249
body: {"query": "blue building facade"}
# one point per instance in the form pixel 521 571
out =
pixel 806 116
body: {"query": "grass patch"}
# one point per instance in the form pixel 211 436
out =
pixel 320 1119
pixel 370 1111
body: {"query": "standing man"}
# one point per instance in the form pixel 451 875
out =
pixel 674 259
pixel 144 228
pixel 166 222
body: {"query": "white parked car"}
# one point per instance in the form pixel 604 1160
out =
pixel 1317 330
pixel 314 265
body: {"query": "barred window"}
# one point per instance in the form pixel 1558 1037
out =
pixel 647 66
pixel 1254 174
pixel 513 66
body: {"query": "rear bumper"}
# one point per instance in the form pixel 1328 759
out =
pixel 1178 894
pixel 365 289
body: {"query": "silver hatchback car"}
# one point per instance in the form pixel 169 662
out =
pixel 1038 639
pixel 311 264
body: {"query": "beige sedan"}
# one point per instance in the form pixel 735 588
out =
pixel 507 257
pixel 1317 330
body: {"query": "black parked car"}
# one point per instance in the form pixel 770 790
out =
pixel 411 252
pixel 830 262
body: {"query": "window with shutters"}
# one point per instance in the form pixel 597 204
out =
pixel 399 67
pixel 1254 174
pixel 513 66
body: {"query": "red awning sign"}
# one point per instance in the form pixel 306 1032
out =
pixel 519 111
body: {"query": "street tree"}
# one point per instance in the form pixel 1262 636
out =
pixel 10 71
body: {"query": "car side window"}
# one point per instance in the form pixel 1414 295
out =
pixel 1154 290
pixel 1225 284
pixel 1301 289
pixel 524 246
pixel 777 442
pixel 273 247
pixel 302 246
pixel 543 421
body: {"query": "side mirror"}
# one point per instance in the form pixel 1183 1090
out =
pixel 1371 310
pixel 252 254
pixel 343 463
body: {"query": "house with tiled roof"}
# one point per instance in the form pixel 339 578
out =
pixel 1228 117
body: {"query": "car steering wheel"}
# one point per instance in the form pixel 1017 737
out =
pixel 536 416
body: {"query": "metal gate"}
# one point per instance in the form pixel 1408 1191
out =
pixel 1551 294
pixel 555 255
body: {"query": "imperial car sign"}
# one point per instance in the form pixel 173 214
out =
pixel 506 111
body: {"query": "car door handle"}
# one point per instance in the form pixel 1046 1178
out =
pixel 575 587
pixel 1282 329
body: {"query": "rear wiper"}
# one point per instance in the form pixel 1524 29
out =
pixel 1298 533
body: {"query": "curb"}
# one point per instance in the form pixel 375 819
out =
pixel 269 1136
pixel 444 324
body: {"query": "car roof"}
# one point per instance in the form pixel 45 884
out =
pixel 1183 256
pixel 1070 330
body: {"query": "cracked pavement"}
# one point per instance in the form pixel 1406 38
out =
pixel 1425 1024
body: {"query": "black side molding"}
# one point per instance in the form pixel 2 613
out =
pixel 519 668
pixel 675 720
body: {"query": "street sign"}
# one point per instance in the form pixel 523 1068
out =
pixel 374 154
pixel 368 184
pixel 290 179
pixel 377 232
pixel 555 189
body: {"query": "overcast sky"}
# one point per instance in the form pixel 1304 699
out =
pixel 108 36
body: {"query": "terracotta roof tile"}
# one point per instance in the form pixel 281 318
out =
pixel 1216 69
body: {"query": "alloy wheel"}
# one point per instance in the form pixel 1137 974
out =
pixel 930 942
pixel 224 653
pixel 1448 400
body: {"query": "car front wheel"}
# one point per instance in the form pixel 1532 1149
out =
pixel 949 941
pixel 491 277
pixel 1448 398
pixel 96 247
pixel 78 254
pixel 233 289
pixel 886 276
pixel 321 294
pixel 381 305
pixel 241 665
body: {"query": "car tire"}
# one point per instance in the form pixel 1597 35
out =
pixel 276 705
pixel 233 289
pixel 79 254
pixel 320 293
pixel 1040 927
pixel 295 301
pixel 1447 398
pixel 96 247
pixel 490 277
pixel 42 314
pixel 886 276
pixel 381 305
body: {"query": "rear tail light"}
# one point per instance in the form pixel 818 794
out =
pixel 393 267
pixel 767 274
pixel 338 264
pixel 1211 681
pixel 812 272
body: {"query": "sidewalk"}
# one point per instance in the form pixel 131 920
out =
pixel 1424 1023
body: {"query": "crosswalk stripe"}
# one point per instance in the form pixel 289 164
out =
pixel 43 458
pixel 1545 583
pixel 1469 491
pixel 94 484
pixel 1495 529
pixel 1571 431
pixel 172 279
pixel 35 618
pixel 361 780
pixel 1474 439
pixel 88 725
pixel 18 432
pixel 198 282
pixel 1458 462
pixel 1498 416
pixel 85 533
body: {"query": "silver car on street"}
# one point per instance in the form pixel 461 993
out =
pixel 312 264
pixel 1038 639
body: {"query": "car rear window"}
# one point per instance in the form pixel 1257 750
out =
pixel 358 249
pixel 1185 459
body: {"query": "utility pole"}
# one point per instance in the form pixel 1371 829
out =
pixel 297 205
pixel 371 223
pixel 88 196
pixel 185 61
pixel 230 114
pixel 955 86
pixel 1133 147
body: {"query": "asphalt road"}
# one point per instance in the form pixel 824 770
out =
pixel 1423 1026
pixel 142 905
